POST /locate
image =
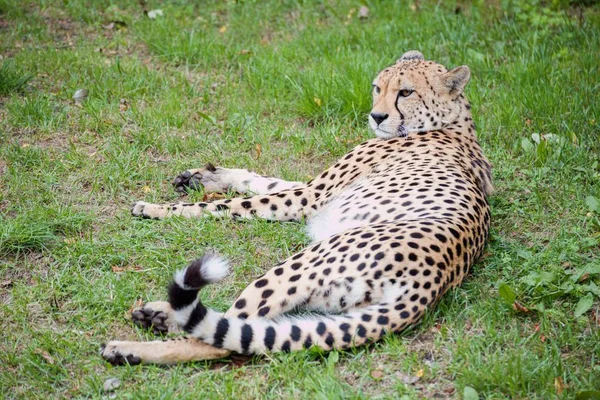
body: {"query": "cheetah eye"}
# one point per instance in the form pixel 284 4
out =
pixel 405 92
pixel 376 89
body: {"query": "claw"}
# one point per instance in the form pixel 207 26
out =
pixel 211 168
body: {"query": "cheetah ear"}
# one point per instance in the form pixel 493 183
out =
pixel 456 79
pixel 411 55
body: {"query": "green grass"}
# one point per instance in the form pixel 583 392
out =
pixel 212 82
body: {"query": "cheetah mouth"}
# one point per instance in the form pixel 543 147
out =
pixel 401 131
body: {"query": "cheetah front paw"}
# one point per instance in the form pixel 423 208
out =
pixel 148 210
pixel 210 177
pixel 115 353
pixel 155 316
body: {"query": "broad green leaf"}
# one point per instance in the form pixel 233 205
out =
pixel 507 294
pixel 524 254
pixel 470 393
pixel 584 304
pixel 588 395
pixel 527 145
pixel 593 203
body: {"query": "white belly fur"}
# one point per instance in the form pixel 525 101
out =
pixel 327 222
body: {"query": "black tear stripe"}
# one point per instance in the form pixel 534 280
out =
pixel 246 339
pixel 270 336
pixel 222 329
pixel 196 317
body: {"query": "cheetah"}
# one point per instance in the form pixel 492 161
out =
pixel 396 222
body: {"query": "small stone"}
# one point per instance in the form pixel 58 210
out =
pixel 363 12
pixel 111 384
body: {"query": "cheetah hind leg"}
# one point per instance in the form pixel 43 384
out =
pixel 220 180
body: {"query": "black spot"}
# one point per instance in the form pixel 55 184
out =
pixel 270 335
pixel 241 303
pixel 366 317
pixel 361 331
pixel 291 290
pixel 264 200
pixel 379 255
pixel 296 333
pixel 294 278
pixel 263 311
pixel 307 342
pixel 326 271
pixel 271 185
pixel 354 257
pixel 321 328
pixel 285 347
pixel 279 271
pixel 441 237
pixel 329 340
pixel 383 320
pixel 197 316
pixel 296 266
pixel 221 207
pixel 398 257
pixel 246 339
pixel 273 207
pixel 404 314
pixel 288 202
pixel 304 202
pixel 221 331
pixel 267 293
pixel 412 257
pixel 261 283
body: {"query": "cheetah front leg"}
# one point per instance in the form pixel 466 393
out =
pixel 288 205
pixel 219 180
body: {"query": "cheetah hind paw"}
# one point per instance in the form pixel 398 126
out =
pixel 155 316
pixel 195 179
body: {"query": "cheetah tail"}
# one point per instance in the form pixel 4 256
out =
pixel 183 291
pixel 261 335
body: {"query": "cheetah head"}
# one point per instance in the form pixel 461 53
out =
pixel 415 95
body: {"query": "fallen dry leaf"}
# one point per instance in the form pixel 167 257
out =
pixel 258 149
pixel 212 196
pixel 377 374
pixel 420 373
pixel 123 105
pixel 317 101
pixel 146 189
pixel 117 269
pixel 223 29
pixel 80 96
pixel 520 308
pixel 46 356
pixel 137 304
pixel 559 385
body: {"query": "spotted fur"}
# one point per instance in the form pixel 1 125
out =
pixel 396 222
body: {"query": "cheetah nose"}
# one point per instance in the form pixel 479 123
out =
pixel 379 117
